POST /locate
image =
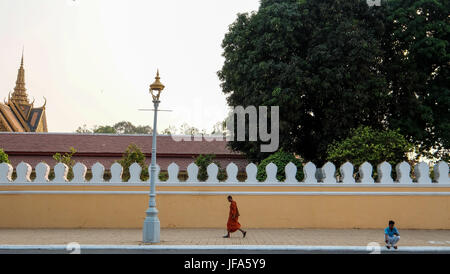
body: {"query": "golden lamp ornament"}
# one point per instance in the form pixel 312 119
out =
pixel 156 87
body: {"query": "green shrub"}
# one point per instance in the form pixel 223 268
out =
pixel 3 157
pixel 280 159
pixel 133 154
pixel 374 146
pixel 203 161
pixel 163 176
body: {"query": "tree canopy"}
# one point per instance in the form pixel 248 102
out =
pixel 123 127
pixel 365 144
pixel 417 57
pixel 333 66
pixel 126 127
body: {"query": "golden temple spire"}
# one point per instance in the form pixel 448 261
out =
pixel 20 92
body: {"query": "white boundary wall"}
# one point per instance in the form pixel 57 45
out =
pixel 347 178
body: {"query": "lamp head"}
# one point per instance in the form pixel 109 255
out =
pixel 156 87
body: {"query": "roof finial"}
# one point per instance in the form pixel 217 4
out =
pixel 23 49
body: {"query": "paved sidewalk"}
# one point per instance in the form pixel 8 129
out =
pixel 182 236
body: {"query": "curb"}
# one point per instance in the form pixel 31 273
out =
pixel 215 249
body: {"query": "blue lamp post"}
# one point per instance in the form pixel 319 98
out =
pixel 151 230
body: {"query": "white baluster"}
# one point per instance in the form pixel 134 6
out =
pixel 158 171
pixel 135 173
pixel 310 173
pixel 384 173
pixel 116 173
pixel 347 173
pixel 6 171
pixel 252 171
pixel 271 171
pixel 98 170
pixel 212 171
pixel 23 171
pixel 328 171
pixel 61 171
pixel 79 173
pixel 422 172
pixel 441 173
pixel 291 171
pixel 42 172
pixel 173 170
pixel 232 171
pixel 365 173
pixel 192 171
pixel 403 171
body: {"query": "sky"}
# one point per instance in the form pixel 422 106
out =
pixel 93 60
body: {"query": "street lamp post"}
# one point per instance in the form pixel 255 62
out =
pixel 151 230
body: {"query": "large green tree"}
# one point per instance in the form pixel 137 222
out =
pixel 417 58
pixel 334 65
pixel 319 60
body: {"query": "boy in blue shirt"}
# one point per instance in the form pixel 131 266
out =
pixel 391 235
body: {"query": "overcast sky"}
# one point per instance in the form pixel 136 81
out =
pixel 94 59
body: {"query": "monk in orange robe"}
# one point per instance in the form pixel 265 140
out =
pixel 233 224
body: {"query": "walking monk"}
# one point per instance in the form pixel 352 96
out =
pixel 233 225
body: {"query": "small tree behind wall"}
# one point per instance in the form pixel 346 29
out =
pixel 203 161
pixel 3 157
pixel 66 159
pixel 280 159
pixel 133 154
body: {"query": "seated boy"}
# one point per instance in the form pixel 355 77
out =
pixel 391 235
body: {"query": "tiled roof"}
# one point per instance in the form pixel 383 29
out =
pixel 107 144
pixel 10 118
